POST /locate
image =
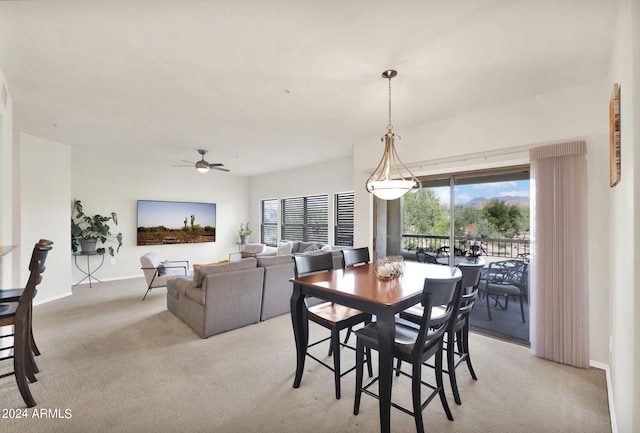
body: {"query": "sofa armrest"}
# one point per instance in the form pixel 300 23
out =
pixel 180 284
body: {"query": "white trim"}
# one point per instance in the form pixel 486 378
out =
pixel 612 412
pixel 38 301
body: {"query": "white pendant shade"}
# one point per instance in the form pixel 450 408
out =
pixel 390 189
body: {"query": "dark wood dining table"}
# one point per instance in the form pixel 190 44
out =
pixel 358 287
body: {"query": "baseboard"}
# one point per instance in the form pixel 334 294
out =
pixel 38 301
pixel 612 411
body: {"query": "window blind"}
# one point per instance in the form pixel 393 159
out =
pixel 269 222
pixel 306 218
pixel 343 233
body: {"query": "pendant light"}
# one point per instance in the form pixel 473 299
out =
pixel 391 179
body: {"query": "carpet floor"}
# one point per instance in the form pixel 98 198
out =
pixel 113 363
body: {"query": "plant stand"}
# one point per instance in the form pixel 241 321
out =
pixel 89 272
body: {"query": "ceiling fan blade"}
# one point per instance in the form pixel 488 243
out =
pixel 192 163
pixel 214 167
pixel 216 164
pixel 182 165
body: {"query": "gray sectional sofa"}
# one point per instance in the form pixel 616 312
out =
pixel 226 296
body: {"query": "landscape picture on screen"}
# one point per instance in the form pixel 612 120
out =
pixel 171 222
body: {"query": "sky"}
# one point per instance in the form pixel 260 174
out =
pixel 172 214
pixel 465 193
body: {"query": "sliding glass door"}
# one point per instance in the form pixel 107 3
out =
pixel 483 214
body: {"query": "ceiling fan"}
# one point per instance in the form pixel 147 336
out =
pixel 203 166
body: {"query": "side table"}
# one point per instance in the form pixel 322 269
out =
pixel 89 272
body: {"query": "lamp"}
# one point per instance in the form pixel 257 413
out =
pixel 387 181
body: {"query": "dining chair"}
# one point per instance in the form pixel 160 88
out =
pixel 332 316
pixel 506 278
pixel 350 258
pixel 355 257
pixel 456 341
pixel 415 346
pixel 13 295
pixel 18 315
pixel 423 257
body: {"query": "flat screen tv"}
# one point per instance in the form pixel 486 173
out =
pixel 173 222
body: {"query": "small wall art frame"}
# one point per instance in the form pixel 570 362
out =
pixel 614 136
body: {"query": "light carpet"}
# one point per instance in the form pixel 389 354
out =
pixel 113 363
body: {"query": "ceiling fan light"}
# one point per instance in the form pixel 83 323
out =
pixel 202 166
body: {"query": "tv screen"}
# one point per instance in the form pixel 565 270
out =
pixel 173 222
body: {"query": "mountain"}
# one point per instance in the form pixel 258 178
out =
pixel 479 202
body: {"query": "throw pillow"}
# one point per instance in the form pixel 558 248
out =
pixel 312 247
pixel 162 267
pixel 284 248
pixel 326 248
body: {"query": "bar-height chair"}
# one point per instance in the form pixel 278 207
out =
pixel 457 336
pixel 13 295
pixel 355 257
pixel 415 346
pixel 18 315
pixel 332 316
pixel 350 258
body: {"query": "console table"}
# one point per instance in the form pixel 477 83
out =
pixel 89 271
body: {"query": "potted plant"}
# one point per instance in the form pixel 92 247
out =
pixel 244 233
pixel 87 230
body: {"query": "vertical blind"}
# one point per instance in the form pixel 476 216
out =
pixel 343 232
pixel 559 299
pixel 306 218
pixel 269 222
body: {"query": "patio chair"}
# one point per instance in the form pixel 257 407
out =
pixel 507 279
pixel 426 258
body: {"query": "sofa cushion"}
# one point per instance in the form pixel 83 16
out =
pixel 275 260
pixel 203 271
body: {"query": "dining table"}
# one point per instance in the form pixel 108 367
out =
pixel 359 287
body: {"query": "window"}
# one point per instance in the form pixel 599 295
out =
pixel 306 218
pixel 344 219
pixel 269 222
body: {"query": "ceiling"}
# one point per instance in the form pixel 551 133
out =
pixel 271 85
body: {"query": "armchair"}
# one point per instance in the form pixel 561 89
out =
pixel 248 250
pixel 158 273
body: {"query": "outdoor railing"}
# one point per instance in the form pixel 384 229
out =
pixel 497 247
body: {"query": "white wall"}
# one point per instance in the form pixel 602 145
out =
pixel 44 187
pixel 624 234
pixel 106 186
pixel 6 173
pixel 328 177
pixel 577 112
